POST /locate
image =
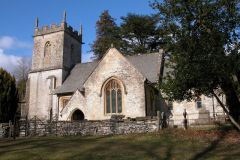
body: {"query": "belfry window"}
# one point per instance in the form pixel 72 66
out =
pixel 113 97
pixel 47 49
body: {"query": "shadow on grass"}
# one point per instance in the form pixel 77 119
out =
pixel 117 150
pixel 214 144
pixel 148 146
pixel 49 143
pixel 126 149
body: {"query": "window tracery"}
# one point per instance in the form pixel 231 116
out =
pixel 113 97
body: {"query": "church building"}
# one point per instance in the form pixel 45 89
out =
pixel 62 87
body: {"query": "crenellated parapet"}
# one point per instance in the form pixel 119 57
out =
pixel 56 28
pixel 63 26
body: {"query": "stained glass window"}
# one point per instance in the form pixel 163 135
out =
pixel 108 102
pixel 113 97
pixel 119 100
pixel 113 101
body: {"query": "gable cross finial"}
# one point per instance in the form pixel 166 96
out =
pixel 36 22
pixel 81 30
pixel 65 16
pixel 112 45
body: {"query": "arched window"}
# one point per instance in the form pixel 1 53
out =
pixel 47 49
pixel 77 115
pixel 199 103
pixel 113 97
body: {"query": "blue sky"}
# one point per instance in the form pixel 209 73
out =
pixel 17 19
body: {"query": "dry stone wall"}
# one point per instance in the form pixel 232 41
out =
pixel 104 127
pixel 4 130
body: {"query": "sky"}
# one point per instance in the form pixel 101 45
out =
pixel 17 18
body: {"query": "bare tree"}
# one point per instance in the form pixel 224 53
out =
pixel 21 74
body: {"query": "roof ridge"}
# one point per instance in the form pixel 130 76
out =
pixel 141 54
pixel 87 62
pixel 148 65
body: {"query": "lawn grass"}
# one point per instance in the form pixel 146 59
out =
pixel 167 145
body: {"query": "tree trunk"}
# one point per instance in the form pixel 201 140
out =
pixel 238 76
pixel 233 105
pixel 232 100
pixel 227 112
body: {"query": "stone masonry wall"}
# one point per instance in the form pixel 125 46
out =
pixel 104 127
pixel 41 100
pixel 56 58
pixel 4 130
pixel 196 115
pixel 115 65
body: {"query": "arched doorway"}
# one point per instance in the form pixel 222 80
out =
pixel 77 115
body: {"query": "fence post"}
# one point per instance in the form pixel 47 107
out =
pixel 158 120
pixel 26 126
pixel 35 125
pixel 163 120
pixel 14 127
pixel 10 128
pixel 56 127
pixel 50 122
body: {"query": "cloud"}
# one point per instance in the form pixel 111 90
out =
pixel 7 42
pixel 87 57
pixel 8 62
pixel 12 45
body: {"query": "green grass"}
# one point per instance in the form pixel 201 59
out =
pixel 166 145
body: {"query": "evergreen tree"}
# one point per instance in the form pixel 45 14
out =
pixel 140 34
pixel 107 34
pixel 202 41
pixel 8 96
pixel 136 34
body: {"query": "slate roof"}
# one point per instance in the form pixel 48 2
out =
pixel 147 64
pixel 77 77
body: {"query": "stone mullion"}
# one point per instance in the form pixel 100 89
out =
pixel 116 100
pixel 111 100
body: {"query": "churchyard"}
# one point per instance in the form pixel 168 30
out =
pixel 169 144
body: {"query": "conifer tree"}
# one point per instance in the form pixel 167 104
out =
pixel 140 34
pixel 8 96
pixel 107 34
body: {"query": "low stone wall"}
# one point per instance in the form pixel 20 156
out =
pixel 104 127
pixel 4 130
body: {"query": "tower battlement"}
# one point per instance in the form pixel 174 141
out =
pixel 63 26
pixel 56 28
pixel 56 46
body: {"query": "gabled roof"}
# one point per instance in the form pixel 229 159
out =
pixel 77 77
pixel 147 64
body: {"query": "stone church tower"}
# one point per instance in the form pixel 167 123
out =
pixel 56 50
